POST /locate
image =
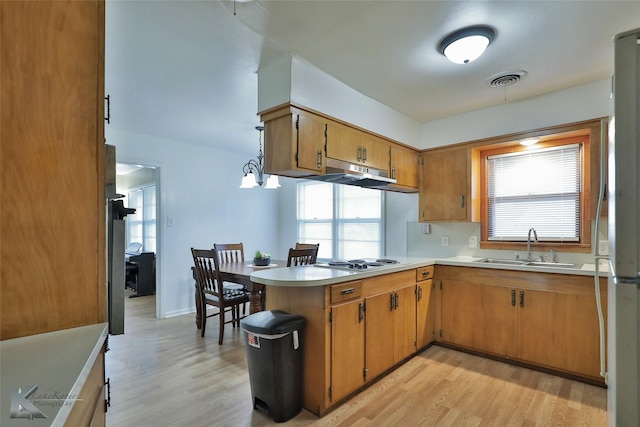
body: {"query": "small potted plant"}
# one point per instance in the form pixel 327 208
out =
pixel 261 259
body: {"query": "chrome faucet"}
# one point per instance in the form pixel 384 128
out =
pixel 535 237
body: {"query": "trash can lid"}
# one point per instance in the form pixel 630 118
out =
pixel 272 322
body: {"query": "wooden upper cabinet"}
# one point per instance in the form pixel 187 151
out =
pixel 446 185
pixel 404 166
pixel 294 143
pixel 52 164
pixel 358 147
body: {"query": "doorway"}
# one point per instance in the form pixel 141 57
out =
pixel 138 186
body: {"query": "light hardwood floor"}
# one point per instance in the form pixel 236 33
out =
pixel 164 374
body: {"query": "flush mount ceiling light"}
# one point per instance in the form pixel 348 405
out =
pixel 530 141
pixel 466 44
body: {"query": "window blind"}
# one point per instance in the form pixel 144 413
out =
pixel 539 189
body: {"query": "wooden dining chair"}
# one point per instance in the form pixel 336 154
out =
pixel 214 293
pixel 302 256
pixel 229 252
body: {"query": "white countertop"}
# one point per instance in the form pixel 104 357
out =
pixel 309 275
pixel 58 363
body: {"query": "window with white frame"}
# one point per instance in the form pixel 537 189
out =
pixel 540 189
pixel 141 226
pixel 346 220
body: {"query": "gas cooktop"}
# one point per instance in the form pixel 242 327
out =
pixel 358 264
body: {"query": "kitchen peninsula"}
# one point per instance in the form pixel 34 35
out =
pixel 360 324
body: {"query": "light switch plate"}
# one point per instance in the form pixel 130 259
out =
pixel 473 242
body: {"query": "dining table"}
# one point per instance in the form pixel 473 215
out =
pixel 240 272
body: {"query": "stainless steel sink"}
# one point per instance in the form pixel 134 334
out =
pixel 524 263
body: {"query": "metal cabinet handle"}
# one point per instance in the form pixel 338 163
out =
pixel 393 173
pixel 347 291
pixel 462 200
pixel 521 298
pixel 391 302
pixel 397 299
pixel 426 273
pixel 319 159
pixel 364 154
pixel 359 153
pixel 360 312
pixel 513 297
pixel 419 293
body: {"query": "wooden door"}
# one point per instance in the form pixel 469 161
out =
pixel 311 142
pixel 445 185
pixel 347 349
pixel 478 316
pixel 404 166
pixel 424 314
pixel 379 334
pixel 52 164
pixel 376 154
pixel 344 143
pixel 404 333
pixel 560 330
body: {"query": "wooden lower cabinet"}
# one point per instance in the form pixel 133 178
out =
pixel 347 348
pixel 89 409
pixel 544 319
pixel 390 329
pixel 354 332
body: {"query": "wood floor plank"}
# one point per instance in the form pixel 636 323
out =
pixel 164 374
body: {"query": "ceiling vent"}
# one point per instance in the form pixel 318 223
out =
pixel 506 78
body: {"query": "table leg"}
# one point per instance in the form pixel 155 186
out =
pixel 254 301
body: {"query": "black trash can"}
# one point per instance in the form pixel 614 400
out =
pixel 274 358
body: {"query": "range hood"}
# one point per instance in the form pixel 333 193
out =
pixel 341 172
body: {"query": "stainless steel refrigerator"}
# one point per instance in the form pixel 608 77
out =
pixel 624 234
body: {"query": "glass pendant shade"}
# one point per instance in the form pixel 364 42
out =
pixel 249 181
pixel 272 182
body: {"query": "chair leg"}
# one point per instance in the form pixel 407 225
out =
pixel 203 319
pixel 221 334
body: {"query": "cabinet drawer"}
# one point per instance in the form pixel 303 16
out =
pixel 424 273
pixel 346 291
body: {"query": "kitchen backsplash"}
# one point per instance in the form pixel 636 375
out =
pixel 456 236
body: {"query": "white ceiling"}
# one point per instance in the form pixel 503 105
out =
pixel 186 70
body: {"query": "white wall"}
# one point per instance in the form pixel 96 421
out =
pixel 198 188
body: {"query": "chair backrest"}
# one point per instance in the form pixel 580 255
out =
pixel 302 256
pixel 307 245
pixel 207 271
pixel 133 248
pixel 229 252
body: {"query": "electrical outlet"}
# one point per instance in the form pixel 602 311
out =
pixel 473 242
pixel 445 241
pixel 426 228
pixel 170 221
pixel 603 247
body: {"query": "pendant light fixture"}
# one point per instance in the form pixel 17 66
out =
pixel 254 170
pixel 466 44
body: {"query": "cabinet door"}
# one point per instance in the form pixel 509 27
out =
pixel 311 142
pixel 404 166
pixel 376 154
pixel 477 316
pixel 379 334
pixel 404 322
pixel 52 162
pixel 445 185
pixel 345 143
pixel 560 330
pixel 424 314
pixel 347 348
